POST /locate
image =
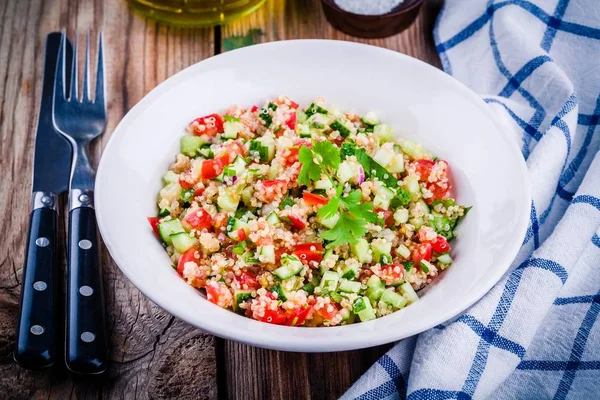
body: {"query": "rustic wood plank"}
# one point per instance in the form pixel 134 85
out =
pixel 279 375
pixel 153 355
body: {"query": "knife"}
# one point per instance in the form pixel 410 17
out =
pixel 37 330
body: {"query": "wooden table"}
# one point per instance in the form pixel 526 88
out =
pixel 153 354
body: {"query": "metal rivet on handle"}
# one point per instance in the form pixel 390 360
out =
pixel 42 241
pixel 40 286
pixel 84 199
pixel 37 330
pixel 88 337
pixel 47 201
pixel 86 291
pixel 85 244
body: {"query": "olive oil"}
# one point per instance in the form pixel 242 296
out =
pixel 195 13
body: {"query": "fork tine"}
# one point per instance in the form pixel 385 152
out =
pixel 73 81
pixel 59 79
pixel 99 97
pixel 86 70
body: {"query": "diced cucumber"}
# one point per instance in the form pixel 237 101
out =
pixel 383 132
pixel 350 271
pixel 396 164
pixel 445 259
pixel 375 288
pixel 314 109
pixel 246 195
pixel 408 292
pixel 393 299
pixel 345 314
pixel 363 308
pixel 233 227
pixel 345 172
pixel 413 149
pixel 308 288
pixel 328 222
pixel 267 253
pixel 300 117
pixel 239 297
pixel 238 165
pixel 323 184
pixel 182 241
pixel 164 212
pixel 383 197
pixel 335 296
pixel 232 128
pixel 361 251
pixel 411 183
pixel 197 168
pixel 370 118
pixel 403 251
pixel 339 126
pixel 264 151
pixel 273 219
pixel 168 228
pixel 381 247
pixel 189 145
pixel 279 290
pixel 349 286
pixel 228 200
pixel 426 266
pixel 383 156
pixel 187 195
pixel 401 216
pixel 170 177
pixel 329 281
pixel 290 266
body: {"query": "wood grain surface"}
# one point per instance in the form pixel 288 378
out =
pixel 153 355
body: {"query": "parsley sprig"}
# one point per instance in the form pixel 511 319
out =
pixel 323 158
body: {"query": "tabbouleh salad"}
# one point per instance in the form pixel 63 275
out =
pixel 305 217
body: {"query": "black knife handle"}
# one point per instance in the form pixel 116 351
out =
pixel 36 343
pixel 86 342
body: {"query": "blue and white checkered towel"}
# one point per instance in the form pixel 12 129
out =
pixel 536 334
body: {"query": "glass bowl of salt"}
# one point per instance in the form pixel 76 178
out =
pixel 371 18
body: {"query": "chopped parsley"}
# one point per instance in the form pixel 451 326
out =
pixel 323 158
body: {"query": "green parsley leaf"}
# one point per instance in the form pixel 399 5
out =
pixel 330 209
pixel 346 230
pixel 311 171
pixel 330 154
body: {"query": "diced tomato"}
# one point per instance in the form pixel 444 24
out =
pixel 220 220
pixel 388 216
pixel 154 221
pixel 186 181
pixel 280 131
pixel 188 256
pixel 391 273
pixel 423 168
pixel 277 316
pixel 213 168
pixel 241 235
pixel 421 252
pixel 208 125
pixel 328 311
pixel 297 316
pixel 294 105
pixel 314 199
pixel 440 245
pixel 439 192
pixel 199 190
pixel 272 182
pixel 235 149
pixel 198 219
pixel 296 222
pixel 248 279
pixel 279 252
pixel 254 108
pixel 291 156
pixel 215 293
pixel 309 252
pixel 291 121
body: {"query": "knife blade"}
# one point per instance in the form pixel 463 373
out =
pixel 37 331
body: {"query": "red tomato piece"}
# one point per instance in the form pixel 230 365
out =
pixel 188 256
pixel 291 156
pixel 208 125
pixel 248 279
pixel 186 181
pixel 198 219
pixel 314 199
pixel 154 221
pixel 241 235
pixel 423 168
pixel 291 121
pixel 272 182
pixel 297 316
pixel 277 316
pixel 235 149
pixel 388 216
pixel 213 168
pixel 220 220
pixel 309 252
pixel 254 108
pixel 199 190
pixel 294 105
pixel 391 273
pixel 421 252
pixel 328 311
pixel 279 252
pixel 440 245
pixel 439 192
pixel 297 222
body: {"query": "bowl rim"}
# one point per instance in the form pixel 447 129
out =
pixel 323 343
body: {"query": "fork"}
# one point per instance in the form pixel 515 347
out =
pixel 81 120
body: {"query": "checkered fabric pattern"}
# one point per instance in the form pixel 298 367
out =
pixel 536 334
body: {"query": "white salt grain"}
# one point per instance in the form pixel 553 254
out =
pixel 368 7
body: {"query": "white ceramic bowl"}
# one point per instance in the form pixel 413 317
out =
pixel 419 101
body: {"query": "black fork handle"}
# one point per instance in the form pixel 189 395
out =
pixel 86 344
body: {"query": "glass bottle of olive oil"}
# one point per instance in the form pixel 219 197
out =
pixel 194 13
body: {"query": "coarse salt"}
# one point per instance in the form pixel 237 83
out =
pixel 368 7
